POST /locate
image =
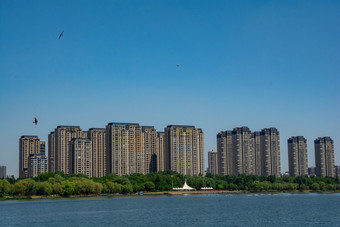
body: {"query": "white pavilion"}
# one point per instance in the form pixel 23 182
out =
pixel 185 187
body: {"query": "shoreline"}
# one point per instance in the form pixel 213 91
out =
pixel 165 193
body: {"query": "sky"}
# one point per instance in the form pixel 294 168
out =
pixel 242 63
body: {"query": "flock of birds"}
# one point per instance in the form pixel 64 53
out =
pixel 35 121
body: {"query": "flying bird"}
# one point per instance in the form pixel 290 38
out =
pixel 61 34
pixel 35 121
pixel 177 65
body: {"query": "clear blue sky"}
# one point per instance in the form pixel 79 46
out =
pixel 242 63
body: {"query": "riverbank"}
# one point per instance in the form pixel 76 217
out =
pixel 116 195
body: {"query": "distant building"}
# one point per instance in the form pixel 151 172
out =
pixel 37 164
pixel 270 152
pixel 160 151
pixel 81 156
pixel 213 162
pixel 225 153
pixel 51 153
pixel 297 156
pixel 132 148
pixel 3 172
pixel 43 147
pixel 311 170
pixel 337 171
pixel 98 139
pixel 62 137
pixel 324 157
pixel 27 145
pixel 184 147
pixel 244 152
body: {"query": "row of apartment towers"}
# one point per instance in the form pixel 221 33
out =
pixel 120 148
pixel 241 151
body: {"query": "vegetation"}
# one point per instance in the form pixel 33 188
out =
pixel 68 185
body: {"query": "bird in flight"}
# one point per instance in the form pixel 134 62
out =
pixel 177 65
pixel 35 121
pixel 61 34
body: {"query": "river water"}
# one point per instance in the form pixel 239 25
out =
pixel 283 209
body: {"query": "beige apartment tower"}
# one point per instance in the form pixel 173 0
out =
pixel 235 151
pixel 131 148
pixel 213 166
pixel 81 156
pixel 324 157
pixel 27 145
pixel 62 137
pixel 150 151
pixel 51 153
pixel 97 136
pixel 270 152
pixel 257 157
pixel 37 164
pixel 297 156
pixel 184 149
pixel 225 154
pixel 244 152
pixel 160 146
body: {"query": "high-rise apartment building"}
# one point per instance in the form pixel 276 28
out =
pixel 149 147
pixel 132 148
pixel 37 164
pixel 244 152
pixel 98 138
pixel 51 153
pixel 184 149
pixel 3 173
pixel 270 152
pixel 257 157
pixel 160 151
pixel 123 148
pixel 235 151
pixel 62 137
pixel 297 156
pixel 81 156
pixel 27 145
pixel 324 157
pixel 213 167
pixel 225 154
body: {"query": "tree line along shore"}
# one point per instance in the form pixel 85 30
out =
pixel 59 184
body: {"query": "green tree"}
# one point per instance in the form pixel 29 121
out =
pixel 127 189
pixel 67 188
pixel 5 187
pixel 114 187
pixel 149 186
pixel 44 188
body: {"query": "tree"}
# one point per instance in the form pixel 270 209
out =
pixel 114 187
pixel 25 187
pixel 149 186
pixel 5 187
pixel 44 188
pixel 127 189
pixel 67 188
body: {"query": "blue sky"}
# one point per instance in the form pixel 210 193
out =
pixel 242 63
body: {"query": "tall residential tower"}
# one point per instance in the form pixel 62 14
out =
pixel 297 156
pixel 184 147
pixel 324 157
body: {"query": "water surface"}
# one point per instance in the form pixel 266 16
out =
pixel 311 209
